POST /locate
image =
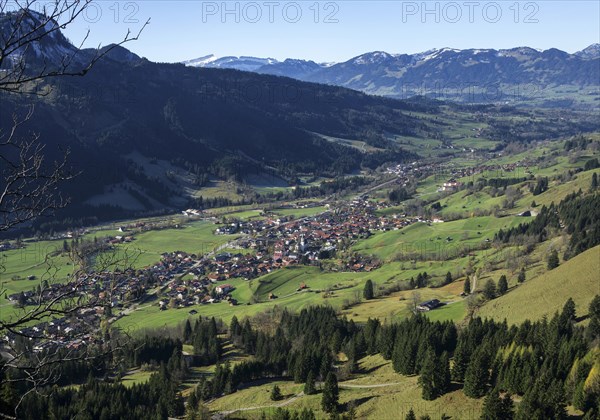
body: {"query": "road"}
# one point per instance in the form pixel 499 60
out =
pixel 358 386
pixel 223 414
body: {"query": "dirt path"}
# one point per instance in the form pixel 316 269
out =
pixel 343 385
pixel 224 414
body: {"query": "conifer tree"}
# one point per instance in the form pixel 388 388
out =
pixel 443 376
pixel 404 357
pixel 309 386
pixel 496 408
pixel 489 290
pixel 368 292
pixel 187 331
pixel 492 406
pixel 461 362
pixel 477 375
pixel 411 415
pixel 467 286
pixel 428 376
pixel 329 401
pixel 522 275
pixel 448 279
pixel 502 285
pixel 593 329
pixel 553 261
pixel 275 393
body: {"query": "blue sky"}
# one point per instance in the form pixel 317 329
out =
pixel 327 31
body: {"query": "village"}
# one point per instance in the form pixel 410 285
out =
pixel 183 280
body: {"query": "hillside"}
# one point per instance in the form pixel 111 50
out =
pixel 149 136
pixel 546 293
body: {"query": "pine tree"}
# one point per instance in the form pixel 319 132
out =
pixel 522 276
pixel 593 329
pixel 427 378
pixel 467 286
pixel 329 401
pixel 553 261
pixel 404 357
pixel 234 327
pixel 411 415
pixel 502 285
pixel 461 362
pixel 275 393
pixel 489 290
pixel 448 278
pixel 508 407
pixel 477 375
pixel 496 408
pixel 368 292
pixel 594 181
pixel 492 406
pixel 568 313
pixel 443 376
pixel 187 331
pixel 309 386
pixel 543 400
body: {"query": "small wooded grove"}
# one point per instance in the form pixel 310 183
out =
pixel 578 214
pixel 547 364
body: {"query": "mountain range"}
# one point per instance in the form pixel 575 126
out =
pixel 472 74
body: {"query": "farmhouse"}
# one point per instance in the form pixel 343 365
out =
pixel 429 305
pixel 224 289
pixel 451 185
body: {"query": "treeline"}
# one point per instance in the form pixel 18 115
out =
pixel 548 363
pixel 579 143
pixel 500 182
pixel 158 398
pixel 303 345
pixel 151 350
pixel 337 185
pixel 204 337
pixel 578 213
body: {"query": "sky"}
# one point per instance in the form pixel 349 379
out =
pixel 334 31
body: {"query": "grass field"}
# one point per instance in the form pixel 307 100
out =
pixel 432 241
pixel 136 377
pixel 399 305
pixel 195 237
pixel 577 278
pixel 376 392
pixel 309 211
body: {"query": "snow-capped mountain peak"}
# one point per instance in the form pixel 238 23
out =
pixel 246 63
pixel 375 57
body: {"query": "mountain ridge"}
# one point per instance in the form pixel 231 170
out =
pixel 442 69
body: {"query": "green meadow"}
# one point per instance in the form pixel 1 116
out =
pixel 437 240
pixel 546 293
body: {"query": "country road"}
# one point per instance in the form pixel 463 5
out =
pixel 223 414
pixel 358 386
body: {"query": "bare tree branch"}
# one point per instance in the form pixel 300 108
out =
pixel 30 188
pixel 27 28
